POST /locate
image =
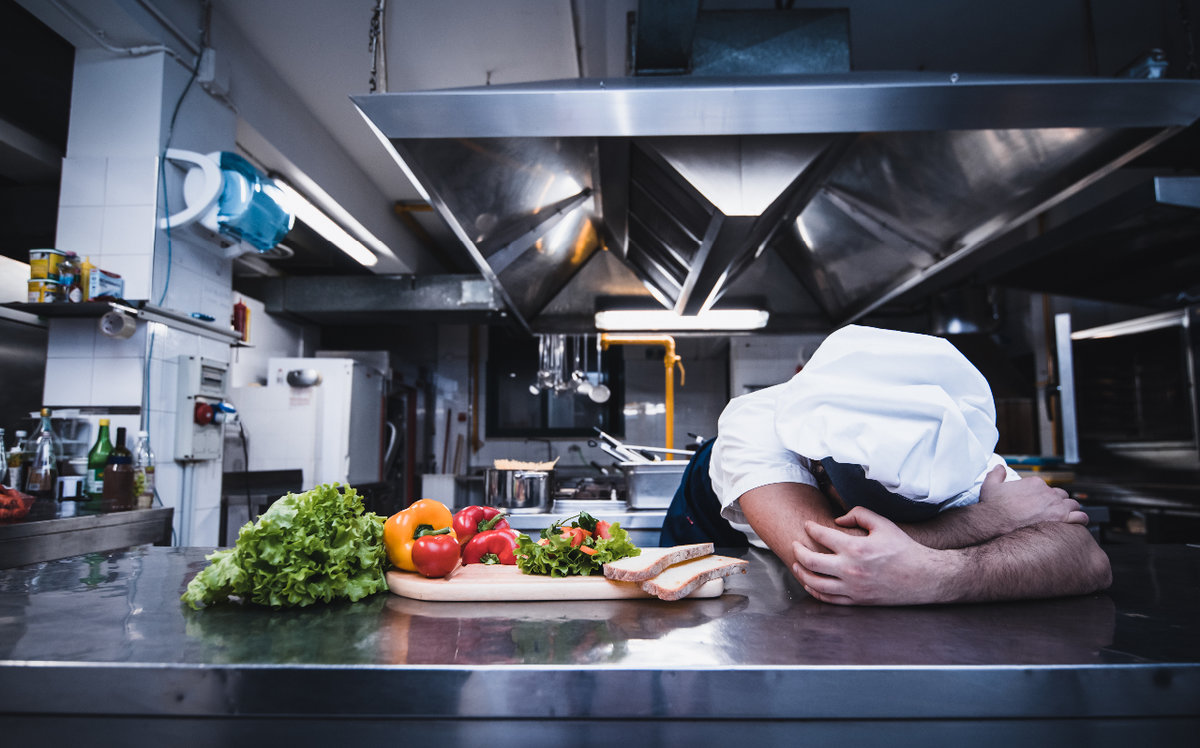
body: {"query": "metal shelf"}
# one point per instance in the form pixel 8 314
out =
pixel 141 309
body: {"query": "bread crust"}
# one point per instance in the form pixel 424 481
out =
pixel 653 561
pixel 682 579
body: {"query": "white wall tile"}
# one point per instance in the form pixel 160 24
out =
pixel 217 350
pixel 185 290
pixel 217 301
pixel 117 381
pixel 169 344
pixel 134 271
pixel 164 385
pixel 128 230
pixel 131 181
pixel 71 338
pixel 82 181
pixel 116 105
pixel 208 484
pixel 167 477
pixel 132 347
pixel 79 228
pixel 68 382
pixel 162 439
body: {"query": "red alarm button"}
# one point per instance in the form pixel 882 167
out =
pixel 203 414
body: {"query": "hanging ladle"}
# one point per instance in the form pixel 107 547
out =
pixel 599 393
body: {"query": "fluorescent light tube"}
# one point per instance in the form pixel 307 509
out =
pixel 325 226
pixel 667 320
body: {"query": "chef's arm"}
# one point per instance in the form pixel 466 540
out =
pixel 1004 507
pixel 886 567
pixel 862 558
pixel 777 513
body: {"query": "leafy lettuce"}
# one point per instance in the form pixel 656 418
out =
pixel 555 556
pixel 310 547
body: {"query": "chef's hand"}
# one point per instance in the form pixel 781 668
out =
pixel 1028 501
pixel 883 567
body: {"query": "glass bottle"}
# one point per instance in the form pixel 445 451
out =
pixel 69 274
pixel 97 460
pixel 42 482
pixel 118 476
pixel 143 472
pixel 16 462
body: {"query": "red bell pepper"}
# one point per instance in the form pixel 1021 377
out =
pixel 491 547
pixel 435 554
pixel 476 519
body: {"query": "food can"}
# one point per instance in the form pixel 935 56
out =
pixel 42 291
pixel 43 263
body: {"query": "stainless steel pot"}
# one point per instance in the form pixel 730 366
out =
pixel 519 491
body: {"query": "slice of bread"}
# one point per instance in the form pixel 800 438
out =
pixel 682 579
pixel 651 561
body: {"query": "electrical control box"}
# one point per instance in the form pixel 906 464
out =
pixel 200 409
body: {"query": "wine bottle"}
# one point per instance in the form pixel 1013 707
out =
pixel 118 476
pixel 93 479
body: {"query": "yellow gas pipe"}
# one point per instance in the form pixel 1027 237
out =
pixel 670 361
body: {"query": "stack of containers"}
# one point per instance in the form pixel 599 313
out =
pixel 56 276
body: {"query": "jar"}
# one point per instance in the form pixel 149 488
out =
pixel 43 291
pixel 43 263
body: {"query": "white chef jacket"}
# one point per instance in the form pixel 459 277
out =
pixel 748 454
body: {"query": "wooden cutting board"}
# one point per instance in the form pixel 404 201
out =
pixel 483 583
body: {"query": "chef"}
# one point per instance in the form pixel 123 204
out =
pixel 871 474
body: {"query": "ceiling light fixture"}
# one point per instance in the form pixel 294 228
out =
pixel 667 320
pixel 316 219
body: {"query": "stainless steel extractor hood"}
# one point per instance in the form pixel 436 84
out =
pixel 867 185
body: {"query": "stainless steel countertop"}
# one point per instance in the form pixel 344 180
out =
pixel 31 540
pixel 106 634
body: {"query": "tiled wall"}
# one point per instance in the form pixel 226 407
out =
pixel 108 209
pixel 106 212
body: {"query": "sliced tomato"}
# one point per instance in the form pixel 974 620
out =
pixel 576 535
pixel 602 529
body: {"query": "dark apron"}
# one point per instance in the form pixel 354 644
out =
pixel 695 513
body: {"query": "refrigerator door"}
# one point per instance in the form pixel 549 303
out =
pixel 280 430
pixel 350 403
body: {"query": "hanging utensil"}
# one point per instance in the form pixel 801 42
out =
pixel 599 393
pixel 579 376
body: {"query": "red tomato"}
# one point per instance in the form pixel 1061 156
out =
pixel 576 534
pixel 602 529
pixel 435 556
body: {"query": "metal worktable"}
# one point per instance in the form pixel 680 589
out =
pixel 97 650
pixel 50 537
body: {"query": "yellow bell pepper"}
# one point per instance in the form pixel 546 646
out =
pixel 403 528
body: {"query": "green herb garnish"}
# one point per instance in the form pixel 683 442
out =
pixel 578 549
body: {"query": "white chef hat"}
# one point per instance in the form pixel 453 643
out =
pixel 910 409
